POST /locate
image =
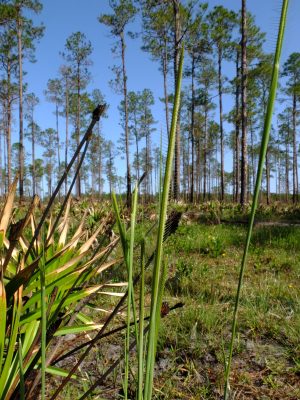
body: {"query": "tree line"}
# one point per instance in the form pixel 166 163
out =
pixel 215 41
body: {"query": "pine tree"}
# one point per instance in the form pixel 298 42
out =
pixel 54 94
pixel 48 140
pixel 8 86
pixel 26 34
pixel 31 101
pixel 291 70
pixel 222 22
pixel 77 52
pixel 157 39
pixel 123 13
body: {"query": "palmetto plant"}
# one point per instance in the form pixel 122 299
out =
pixel 41 294
pixel 45 279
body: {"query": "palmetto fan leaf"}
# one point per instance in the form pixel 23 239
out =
pixel 68 262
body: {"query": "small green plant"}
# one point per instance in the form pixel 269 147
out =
pixel 213 246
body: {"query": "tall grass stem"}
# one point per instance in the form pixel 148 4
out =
pixel 151 346
pixel 263 151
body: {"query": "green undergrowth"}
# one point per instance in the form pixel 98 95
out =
pixel 203 265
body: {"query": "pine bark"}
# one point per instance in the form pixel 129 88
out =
pixel 220 88
pixel 287 185
pixel 177 46
pixel 191 197
pixel 8 127
pixel 237 130
pixel 244 166
pixel 33 157
pixel 295 158
pixel 165 77
pixel 21 130
pixel 128 175
pixel 78 180
pixel 67 129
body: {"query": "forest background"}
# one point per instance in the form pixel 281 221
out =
pixel 143 71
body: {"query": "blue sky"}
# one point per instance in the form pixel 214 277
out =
pixel 63 17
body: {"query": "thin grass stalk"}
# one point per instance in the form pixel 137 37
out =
pixel 263 151
pixel 3 305
pixel 151 347
pixel 130 287
pixel 141 325
pixel 104 335
pixel 160 170
pixel 43 324
pixel 169 230
pixel 22 382
pixel 160 298
pixel 100 381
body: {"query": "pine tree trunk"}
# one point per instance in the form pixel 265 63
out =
pixel 21 132
pixel 199 184
pixel 100 163
pixel 8 128
pixel 177 46
pixel 244 166
pixel 165 77
pixel 192 130
pixel 57 138
pixel 237 130
pixel 295 158
pixel 78 180
pixel 67 131
pixel 128 175
pixel 287 186
pixel 33 157
pixel 205 155
pixel 220 88
pixel 268 177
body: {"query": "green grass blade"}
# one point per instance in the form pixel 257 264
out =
pixel 60 372
pixel 160 297
pixel 158 255
pixel 120 224
pixel 130 299
pixel 263 150
pixel 141 325
pixel 3 309
pixel 67 330
pixel 6 378
pixel 22 383
pixel 43 324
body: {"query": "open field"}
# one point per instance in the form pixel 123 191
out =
pixel 203 262
pixel 203 259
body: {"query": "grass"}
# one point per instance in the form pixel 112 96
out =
pixel 267 345
pixel 202 262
